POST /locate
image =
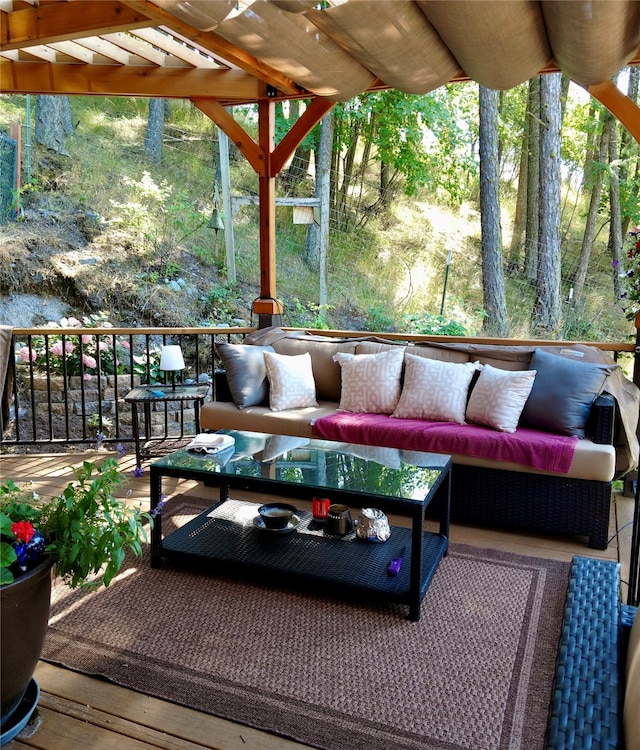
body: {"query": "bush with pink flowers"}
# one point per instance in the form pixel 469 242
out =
pixel 84 354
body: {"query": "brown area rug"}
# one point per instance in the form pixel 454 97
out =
pixel 475 672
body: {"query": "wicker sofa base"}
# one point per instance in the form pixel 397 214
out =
pixel 532 502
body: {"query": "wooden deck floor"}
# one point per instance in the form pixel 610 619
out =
pixel 76 712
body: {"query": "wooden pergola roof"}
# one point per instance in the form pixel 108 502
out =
pixel 224 52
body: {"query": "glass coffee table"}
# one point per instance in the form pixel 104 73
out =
pixel 226 537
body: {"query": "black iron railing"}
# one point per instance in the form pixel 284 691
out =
pixel 69 384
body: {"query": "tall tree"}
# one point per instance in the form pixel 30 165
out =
pixel 594 175
pixel 615 224
pixel 532 230
pixel 49 130
pixel 495 304
pixel 547 307
pixel 155 131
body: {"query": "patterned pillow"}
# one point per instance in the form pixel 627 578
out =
pixel 434 389
pixel 290 380
pixel 370 382
pixel 499 396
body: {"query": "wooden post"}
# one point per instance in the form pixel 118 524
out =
pixel 229 243
pixel 15 133
pixel 633 597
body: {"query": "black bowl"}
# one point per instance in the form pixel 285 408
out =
pixel 276 515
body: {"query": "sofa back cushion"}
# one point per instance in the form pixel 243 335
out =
pixel 246 373
pixel 326 372
pixel 562 394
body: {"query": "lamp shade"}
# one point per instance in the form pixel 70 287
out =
pixel 171 358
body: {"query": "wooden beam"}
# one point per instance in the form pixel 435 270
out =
pixel 247 146
pixel 619 104
pixel 267 193
pixel 63 21
pixel 218 45
pixel 298 131
pixel 114 80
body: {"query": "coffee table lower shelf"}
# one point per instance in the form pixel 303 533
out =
pixel 224 539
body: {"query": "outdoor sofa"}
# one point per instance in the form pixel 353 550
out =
pixel 574 429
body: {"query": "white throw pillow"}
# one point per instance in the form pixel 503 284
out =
pixel 370 382
pixel 433 389
pixel 290 380
pixel 499 396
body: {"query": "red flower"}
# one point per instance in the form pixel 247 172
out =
pixel 23 531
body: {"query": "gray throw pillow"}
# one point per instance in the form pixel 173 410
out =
pixel 246 373
pixel 562 394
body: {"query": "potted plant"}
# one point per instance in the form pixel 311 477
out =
pixel 83 532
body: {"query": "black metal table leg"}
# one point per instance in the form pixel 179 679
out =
pixel 155 495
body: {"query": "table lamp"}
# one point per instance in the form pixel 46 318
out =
pixel 171 360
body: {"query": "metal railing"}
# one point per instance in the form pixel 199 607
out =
pixel 69 384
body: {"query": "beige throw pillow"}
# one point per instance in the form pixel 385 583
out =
pixel 290 381
pixel 434 390
pixel 499 396
pixel 370 382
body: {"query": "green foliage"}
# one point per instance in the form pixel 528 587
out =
pixel 433 325
pixel 379 319
pixel 86 528
pixel 309 315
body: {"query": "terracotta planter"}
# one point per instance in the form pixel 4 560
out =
pixel 24 617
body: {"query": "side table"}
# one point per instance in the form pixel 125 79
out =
pixel 154 394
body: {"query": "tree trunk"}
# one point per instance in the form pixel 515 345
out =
pixel 592 181
pixel 520 217
pixel 49 130
pixel 630 152
pixel 496 322
pixel 547 307
pixel 67 117
pixel 155 131
pixel 615 225
pixel 533 181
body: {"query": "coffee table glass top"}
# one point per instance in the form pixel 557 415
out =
pixel 318 464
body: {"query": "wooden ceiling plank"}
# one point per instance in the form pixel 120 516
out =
pixel 105 49
pixel 37 52
pixel 137 47
pixel 114 80
pixel 74 51
pixel 218 46
pixel 61 22
pixel 180 38
pixel 178 49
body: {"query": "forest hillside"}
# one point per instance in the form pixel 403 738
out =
pixel 105 228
